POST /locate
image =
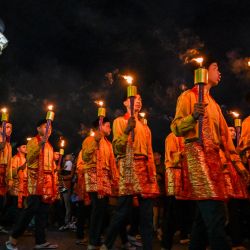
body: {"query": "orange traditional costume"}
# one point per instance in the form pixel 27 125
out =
pixel 205 170
pixel 176 179
pixel 41 170
pixel 99 166
pixel 5 168
pixel 20 179
pixel 244 143
pixel 136 165
pixel 80 187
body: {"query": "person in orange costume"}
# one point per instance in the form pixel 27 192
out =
pixel 137 173
pixel 19 189
pixel 41 187
pixel 83 202
pixel 204 164
pixel 99 173
pixel 244 143
pixel 178 209
pixel 5 167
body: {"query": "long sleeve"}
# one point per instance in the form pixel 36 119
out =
pixel 172 151
pixel 183 121
pixel 89 147
pixel 151 164
pixel 14 165
pixel 120 139
pixel 244 142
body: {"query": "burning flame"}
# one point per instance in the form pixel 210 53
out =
pixel 92 132
pixel 129 79
pixel 199 60
pixel 62 144
pixel 100 103
pixel 142 114
pixel 4 110
pixel 28 138
pixel 234 114
pixel 50 107
pixel 248 63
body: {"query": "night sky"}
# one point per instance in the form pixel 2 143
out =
pixel 60 51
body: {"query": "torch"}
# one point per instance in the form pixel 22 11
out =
pixel 143 116
pixel 200 78
pixel 237 125
pixel 101 113
pixel 49 117
pixel 4 119
pixel 61 152
pixel 131 93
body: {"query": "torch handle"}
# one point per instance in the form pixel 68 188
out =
pixel 100 122
pixel 200 100
pixel 59 161
pixel 238 131
pixel 4 131
pixel 132 101
pixel 47 129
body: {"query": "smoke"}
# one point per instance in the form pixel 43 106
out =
pixel 240 66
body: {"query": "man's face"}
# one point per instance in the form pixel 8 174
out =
pixel 56 156
pixel 8 129
pixel 22 149
pixel 214 74
pixel 137 103
pixel 106 128
pixel 42 130
pixel 232 132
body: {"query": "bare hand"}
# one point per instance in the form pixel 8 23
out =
pixel 131 125
pixel 199 110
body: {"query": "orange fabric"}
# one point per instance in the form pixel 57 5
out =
pixel 135 159
pixel 19 187
pixel 41 170
pixel 174 149
pixel 244 142
pixel 5 167
pixel 80 188
pixel 98 161
pixel 204 165
pixel 184 125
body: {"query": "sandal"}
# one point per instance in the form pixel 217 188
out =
pixel 46 245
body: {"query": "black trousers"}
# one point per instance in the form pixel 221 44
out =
pixel 35 207
pixel 146 221
pixel 209 226
pixel 98 214
pixel 178 214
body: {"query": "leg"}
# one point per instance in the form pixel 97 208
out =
pixel 66 198
pixel 198 234
pixel 146 222
pixel 41 218
pixel 80 220
pixel 122 210
pixel 33 203
pixel 169 222
pixel 99 209
pixel 213 215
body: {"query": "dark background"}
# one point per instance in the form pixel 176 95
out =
pixel 60 51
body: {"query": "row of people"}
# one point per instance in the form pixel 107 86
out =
pixel 209 171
